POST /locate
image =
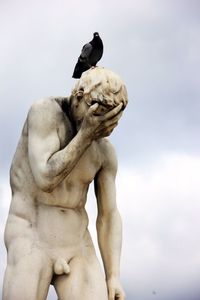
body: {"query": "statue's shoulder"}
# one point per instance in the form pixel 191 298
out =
pixel 50 103
pixel 108 152
pixel 106 145
pixel 46 111
pixel 47 105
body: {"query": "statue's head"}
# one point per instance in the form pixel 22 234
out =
pixel 102 86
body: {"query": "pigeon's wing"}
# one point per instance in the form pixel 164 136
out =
pixel 83 63
pixel 86 51
pixel 80 67
pixel 77 70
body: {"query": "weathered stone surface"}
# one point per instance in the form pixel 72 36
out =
pixel 63 149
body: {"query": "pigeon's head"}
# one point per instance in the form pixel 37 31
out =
pixel 96 34
pixel 102 86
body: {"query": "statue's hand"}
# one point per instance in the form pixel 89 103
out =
pixel 115 290
pixel 98 126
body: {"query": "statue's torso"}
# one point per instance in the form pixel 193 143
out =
pixel 58 217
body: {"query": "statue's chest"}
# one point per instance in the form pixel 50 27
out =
pixel 87 166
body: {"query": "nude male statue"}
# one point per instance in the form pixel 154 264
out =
pixel 62 149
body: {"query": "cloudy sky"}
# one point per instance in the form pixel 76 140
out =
pixel 154 45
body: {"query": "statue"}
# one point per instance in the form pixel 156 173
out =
pixel 62 149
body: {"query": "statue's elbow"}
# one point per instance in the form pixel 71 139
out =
pixel 44 184
pixel 46 188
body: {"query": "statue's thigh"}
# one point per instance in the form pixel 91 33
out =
pixel 85 281
pixel 28 275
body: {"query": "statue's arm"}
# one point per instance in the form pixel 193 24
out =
pixel 49 163
pixel 109 225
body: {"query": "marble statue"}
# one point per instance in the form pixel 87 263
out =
pixel 62 149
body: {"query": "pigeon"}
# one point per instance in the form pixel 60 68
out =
pixel 91 53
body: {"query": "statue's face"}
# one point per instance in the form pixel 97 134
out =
pixel 102 86
pixel 78 109
pixel 80 106
pixel 98 85
pixel 102 108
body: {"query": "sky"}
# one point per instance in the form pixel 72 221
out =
pixel 154 46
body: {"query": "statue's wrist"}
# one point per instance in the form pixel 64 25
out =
pixel 112 277
pixel 86 136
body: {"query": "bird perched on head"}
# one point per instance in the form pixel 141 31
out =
pixel 91 53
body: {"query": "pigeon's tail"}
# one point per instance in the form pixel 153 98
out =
pixel 77 72
pixel 79 69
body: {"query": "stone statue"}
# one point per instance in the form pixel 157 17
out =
pixel 62 149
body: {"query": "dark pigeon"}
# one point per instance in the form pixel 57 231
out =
pixel 90 55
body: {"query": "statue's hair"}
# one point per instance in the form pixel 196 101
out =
pixel 102 85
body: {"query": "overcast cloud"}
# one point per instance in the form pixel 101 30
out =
pixel 154 45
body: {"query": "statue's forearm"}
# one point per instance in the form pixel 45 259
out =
pixel 109 229
pixel 61 163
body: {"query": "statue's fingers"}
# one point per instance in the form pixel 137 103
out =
pixel 111 113
pixel 114 120
pixel 93 108
pixel 120 295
